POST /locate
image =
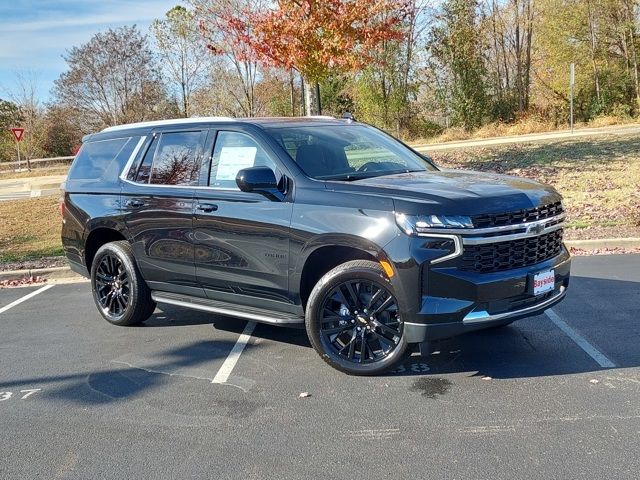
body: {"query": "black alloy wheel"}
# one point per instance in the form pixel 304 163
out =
pixel 112 286
pixel 354 321
pixel 119 291
pixel 360 321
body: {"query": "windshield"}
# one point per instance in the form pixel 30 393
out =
pixel 347 152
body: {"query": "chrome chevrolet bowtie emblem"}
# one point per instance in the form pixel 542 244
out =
pixel 537 228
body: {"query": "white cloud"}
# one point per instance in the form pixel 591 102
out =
pixel 38 40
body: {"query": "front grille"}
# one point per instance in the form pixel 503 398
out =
pixel 496 257
pixel 517 216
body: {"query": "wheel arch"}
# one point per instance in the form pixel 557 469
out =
pixel 96 238
pixel 326 253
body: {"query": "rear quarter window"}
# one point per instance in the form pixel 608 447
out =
pixel 102 159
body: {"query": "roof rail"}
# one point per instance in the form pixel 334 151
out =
pixel 159 123
pixel 324 117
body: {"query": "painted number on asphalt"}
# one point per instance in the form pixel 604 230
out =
pixel 413 368
pixel 25 394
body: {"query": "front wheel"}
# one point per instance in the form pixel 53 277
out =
pixel 353 320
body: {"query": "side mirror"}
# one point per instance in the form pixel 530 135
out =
pixel 259 180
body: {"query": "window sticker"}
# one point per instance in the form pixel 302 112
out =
pixel 234 159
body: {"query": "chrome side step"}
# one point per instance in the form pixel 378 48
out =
pixel 231 310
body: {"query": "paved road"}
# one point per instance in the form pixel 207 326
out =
pixel 89 400
pixel 633 129
pixel 19 188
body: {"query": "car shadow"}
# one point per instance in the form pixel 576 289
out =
pixel 127 380
pixel 530 347
pixel 603 311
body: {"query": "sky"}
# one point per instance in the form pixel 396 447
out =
pixel 35 34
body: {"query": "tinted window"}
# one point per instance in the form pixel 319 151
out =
pixel 144 172
pixel 233 152
pixel 347 152
pixel 103 159
pixel 177 159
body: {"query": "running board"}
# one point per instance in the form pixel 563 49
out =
pixel 223 308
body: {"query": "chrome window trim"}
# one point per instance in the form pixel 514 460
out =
pixel 134 154
pixel 507 238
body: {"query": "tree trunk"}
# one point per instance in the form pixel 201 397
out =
pixel 630 15
pixel 292 94
pixel 518 53
pixel 494 13
pixel 312 98
pixel 528 47
pixel 594 65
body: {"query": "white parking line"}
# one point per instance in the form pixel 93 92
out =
pixel 234 355
pixel 582 342
pixel 26 297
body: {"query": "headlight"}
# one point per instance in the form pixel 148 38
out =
pixel 416 224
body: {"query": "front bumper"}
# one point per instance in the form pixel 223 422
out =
pixel 476 320
pixel 442 300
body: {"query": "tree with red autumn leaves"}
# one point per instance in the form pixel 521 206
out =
pixel 316 37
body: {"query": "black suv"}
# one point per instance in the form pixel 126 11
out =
pixel 330 224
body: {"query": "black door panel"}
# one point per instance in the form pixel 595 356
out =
pixel 157 203
pixel 159 222
pixel 242 246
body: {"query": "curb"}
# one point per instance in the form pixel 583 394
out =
pixel 54 273
pixel 631 242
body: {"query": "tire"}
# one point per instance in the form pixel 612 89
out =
pixel 340 335
pixel 119 291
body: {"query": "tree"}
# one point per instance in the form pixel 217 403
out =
pixel 62 134
pixel 316 38
pixel 385 92
pixel 456 63
pixel 182 52
pixel 26 97
pixel 239 74
pixel 9 117
pixel 112 79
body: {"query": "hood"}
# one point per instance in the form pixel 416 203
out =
pixel 453 192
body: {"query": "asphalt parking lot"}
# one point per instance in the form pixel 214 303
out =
pixel 553 396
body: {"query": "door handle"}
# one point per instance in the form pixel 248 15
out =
pixel 206 207
pixel 135 203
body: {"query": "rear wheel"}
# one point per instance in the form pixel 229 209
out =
pixel 119 291
pixel 353 319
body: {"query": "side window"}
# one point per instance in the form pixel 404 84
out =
pixel 144 172
pixel 233 152
pixel 103 159
pixel 177 159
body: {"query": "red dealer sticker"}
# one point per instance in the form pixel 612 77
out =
pixel 544 282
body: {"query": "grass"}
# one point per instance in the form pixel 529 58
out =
pixel 599 178
pixel 30 229
pixel 522 127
